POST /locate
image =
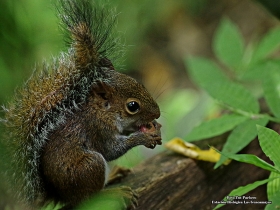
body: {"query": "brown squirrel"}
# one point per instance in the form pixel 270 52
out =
pixel 72 117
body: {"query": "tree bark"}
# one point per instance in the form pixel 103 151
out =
pixel 171 181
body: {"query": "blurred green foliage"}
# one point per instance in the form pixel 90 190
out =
pixel 227 85
pixel 29 33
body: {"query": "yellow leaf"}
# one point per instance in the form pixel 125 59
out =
pixel 190 150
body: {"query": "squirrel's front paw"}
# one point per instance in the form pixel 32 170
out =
pixel 152 130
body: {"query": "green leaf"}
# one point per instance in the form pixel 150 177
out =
pixel 105 199
pixel 52 206
pixel 208 76
pixel 271 87
pixel 275 202
pixel 244 189
pixel 240 137
pixel 267 45
pixel 273 187
pixel 251 159
pixel 215 127
pixel 204 71
pixel 273 191
pixel 235 96
pixel 228 44
pixel 270 144
pixel 260 70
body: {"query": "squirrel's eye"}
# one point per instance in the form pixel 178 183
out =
pixel 132 106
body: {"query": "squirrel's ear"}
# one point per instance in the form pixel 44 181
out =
pixel 105 62
pixel 103 90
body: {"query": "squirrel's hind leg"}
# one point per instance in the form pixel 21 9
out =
pixel 71 174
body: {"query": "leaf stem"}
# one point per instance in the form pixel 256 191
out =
pixel 249 114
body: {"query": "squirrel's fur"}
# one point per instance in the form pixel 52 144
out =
pixel 56 92
pixel 51 92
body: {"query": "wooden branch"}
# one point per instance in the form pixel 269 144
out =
pixel 171 181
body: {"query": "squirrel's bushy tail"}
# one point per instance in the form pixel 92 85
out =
pixel 90 40
pixel 55 90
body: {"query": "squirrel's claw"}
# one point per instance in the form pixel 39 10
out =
pixel 154 135
pixel 117 173
pixel 154 141
pixel 130 197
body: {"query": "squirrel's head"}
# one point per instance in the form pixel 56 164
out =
pixel 135 100
pixel 132 106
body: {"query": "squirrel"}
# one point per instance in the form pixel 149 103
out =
pixel 75 115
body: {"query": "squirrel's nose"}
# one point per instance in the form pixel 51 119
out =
pixel 156 113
